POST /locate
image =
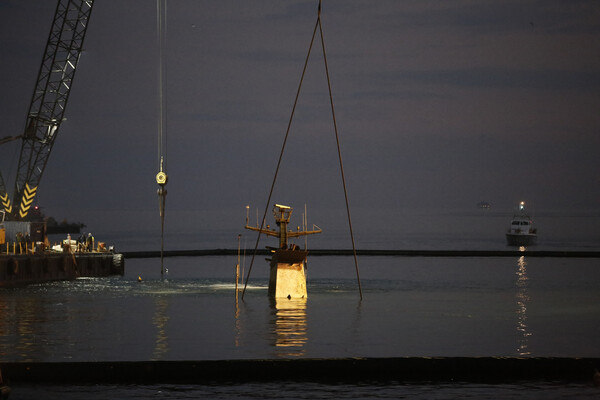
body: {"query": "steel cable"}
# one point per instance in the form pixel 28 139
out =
pixel 317 25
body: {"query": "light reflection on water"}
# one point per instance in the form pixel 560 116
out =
pixel 413 306
pixel 522 302
pixel 160 320
pixel 289 326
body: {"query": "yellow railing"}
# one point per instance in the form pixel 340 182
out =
pixel 18 248
pixel 12 248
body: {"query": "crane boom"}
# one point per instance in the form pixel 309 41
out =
pixel 49 100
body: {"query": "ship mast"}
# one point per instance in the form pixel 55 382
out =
pixel 282 216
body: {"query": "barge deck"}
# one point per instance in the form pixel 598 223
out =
pixel 25 269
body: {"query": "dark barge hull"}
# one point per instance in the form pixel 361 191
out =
pixel 25 269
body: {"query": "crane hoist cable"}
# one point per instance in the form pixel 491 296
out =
pixel 161 176
pixel 318 25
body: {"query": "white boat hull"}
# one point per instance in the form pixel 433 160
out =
pixel 521 239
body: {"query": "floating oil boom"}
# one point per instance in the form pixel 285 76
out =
pixel 287 277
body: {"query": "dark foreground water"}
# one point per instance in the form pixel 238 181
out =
pixel 295 390
pixel 412 306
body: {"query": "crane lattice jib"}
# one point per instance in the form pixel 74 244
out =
pixel 49 100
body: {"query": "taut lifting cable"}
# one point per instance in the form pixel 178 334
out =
pixel 280 158
pixel 337 141
pixel 161 177
pixel 317 25
pixel 161 28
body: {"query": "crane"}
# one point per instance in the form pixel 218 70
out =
pixel 48 104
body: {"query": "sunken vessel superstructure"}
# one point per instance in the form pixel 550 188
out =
pixel 287 277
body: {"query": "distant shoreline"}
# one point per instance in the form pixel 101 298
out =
pixel 396 253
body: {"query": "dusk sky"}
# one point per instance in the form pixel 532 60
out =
pixel 439 104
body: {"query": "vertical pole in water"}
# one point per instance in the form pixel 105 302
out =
pixel 305 223
pixel 237 268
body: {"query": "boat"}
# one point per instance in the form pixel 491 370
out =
pixel 521 231
pixel 287 276
pixel 484 205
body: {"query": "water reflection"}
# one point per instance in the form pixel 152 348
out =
pixel 289 326
pixel 159 320
pixel 21 322
pixel 522 302
pixel 238 322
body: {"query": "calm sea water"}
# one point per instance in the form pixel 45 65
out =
pixel 412 306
